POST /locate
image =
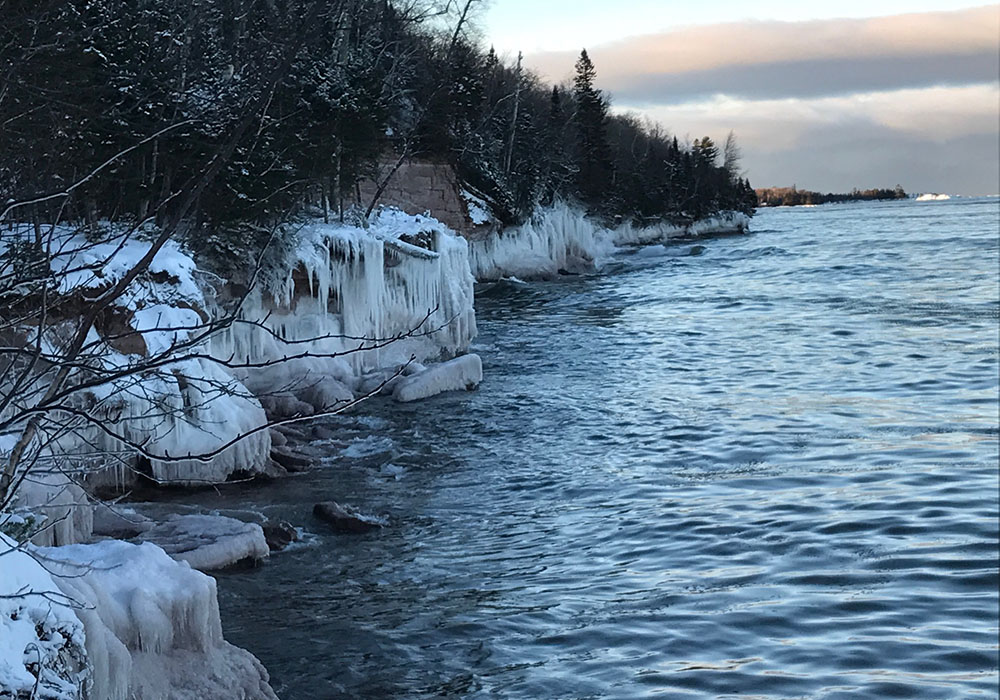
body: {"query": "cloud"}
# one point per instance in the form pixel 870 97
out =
pixel 795 59
pixel 931 139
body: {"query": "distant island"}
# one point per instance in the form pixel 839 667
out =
pixel 791 196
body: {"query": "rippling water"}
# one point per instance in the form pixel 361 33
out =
pixel 762 466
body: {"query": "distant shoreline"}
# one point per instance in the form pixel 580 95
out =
pixel 792 196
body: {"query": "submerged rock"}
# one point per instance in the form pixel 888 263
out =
pixel 345 519
pixel 465 372
pixel 321 433
pixel 289 460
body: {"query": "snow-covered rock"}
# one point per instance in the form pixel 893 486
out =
pixel 208 542
pixel 462 373
pixel 41 638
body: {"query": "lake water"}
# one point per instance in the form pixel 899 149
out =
pixel 762 466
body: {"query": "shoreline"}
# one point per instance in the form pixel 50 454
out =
pixel 196 540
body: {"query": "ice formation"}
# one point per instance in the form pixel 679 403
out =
pixel 360 299
pixel 560 238
pixel 465 372
pixel 933 197
pixel 152 626
pixel 61 510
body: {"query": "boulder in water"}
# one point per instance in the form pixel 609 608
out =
pixel 289 460
pixel 279 534
pixel 345 519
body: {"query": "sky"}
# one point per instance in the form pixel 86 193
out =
pixel 826 97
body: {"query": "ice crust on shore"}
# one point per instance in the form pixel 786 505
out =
pixel 349 291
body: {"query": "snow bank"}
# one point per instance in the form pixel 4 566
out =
pixel 465 372
pixel 561 238
pixel 152 626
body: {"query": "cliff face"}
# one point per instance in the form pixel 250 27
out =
pixel 418 187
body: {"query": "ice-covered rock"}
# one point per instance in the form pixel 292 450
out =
pixel 326 394
pixel 208 542
pixel 151 625
pixel 62 512
pixel 556 237
pixel 462 373
pixel 357 298
pixel 285 404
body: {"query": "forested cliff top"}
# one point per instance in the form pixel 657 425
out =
pixel 225 118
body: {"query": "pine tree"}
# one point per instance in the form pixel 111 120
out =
pixel 594 175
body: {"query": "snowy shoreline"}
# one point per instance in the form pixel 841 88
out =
pixel 341 288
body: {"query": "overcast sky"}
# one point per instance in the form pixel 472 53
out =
pixel 860 94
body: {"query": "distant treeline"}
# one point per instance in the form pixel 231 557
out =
pixel 790 196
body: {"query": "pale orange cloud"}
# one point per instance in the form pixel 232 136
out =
pixel 957 46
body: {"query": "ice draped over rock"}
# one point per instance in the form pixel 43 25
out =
pixel 151 625
pixel 348 288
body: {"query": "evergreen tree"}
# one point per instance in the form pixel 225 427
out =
pixel 594 170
